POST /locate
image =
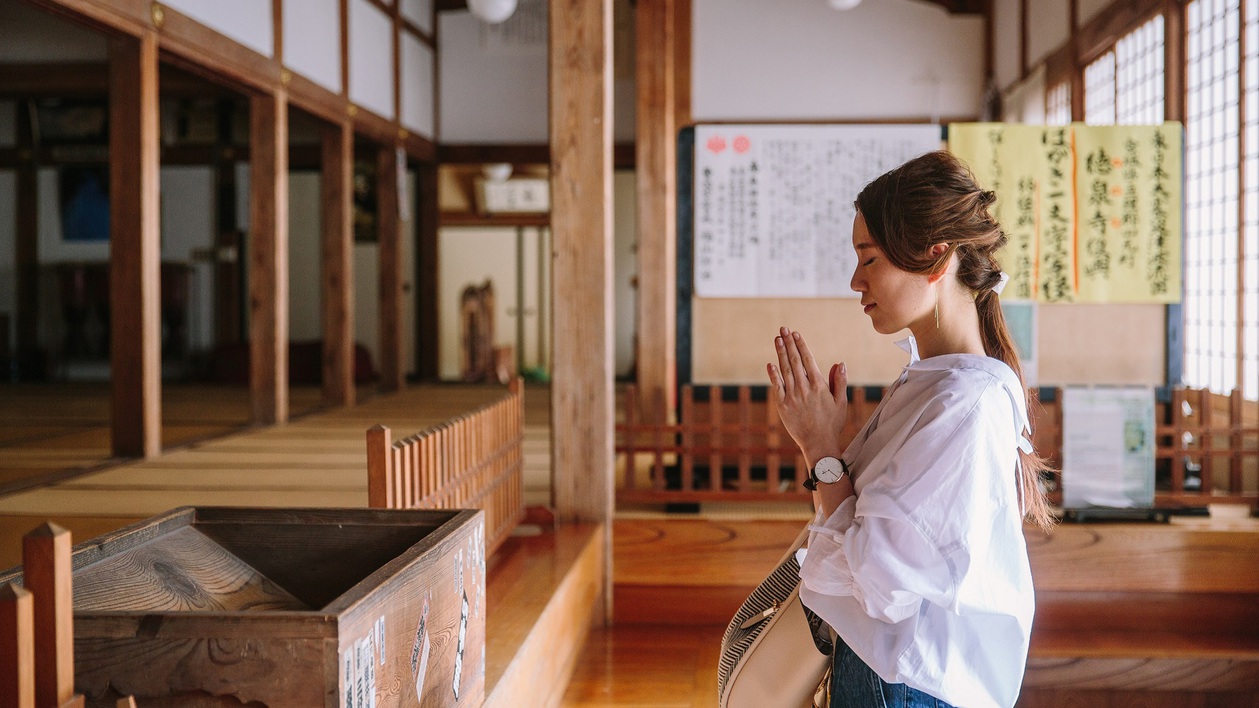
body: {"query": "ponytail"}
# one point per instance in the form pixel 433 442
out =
pixel 999 345
pixel 934 199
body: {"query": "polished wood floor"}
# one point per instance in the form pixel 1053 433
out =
pixel 647 665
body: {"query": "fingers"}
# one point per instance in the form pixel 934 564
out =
pixel 784 362
pixel 806 358
pixel 791 343
pixel 775 382
pixel 839 382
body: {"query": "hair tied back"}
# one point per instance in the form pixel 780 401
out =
pixel 987 197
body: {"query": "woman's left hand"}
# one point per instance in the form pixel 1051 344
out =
pixel 812 410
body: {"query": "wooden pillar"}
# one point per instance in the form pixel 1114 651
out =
pixel 1174 59
pixel 228 311
pixel 268 257
pixel 392 370
pixel 426 318
pixel 337 265
pixel 26 247
pixel 17 647
pixel 46 574
pixel 656 172
pixel 135 248
pixel 581 226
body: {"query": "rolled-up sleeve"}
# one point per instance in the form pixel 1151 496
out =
pixel 881 561
pixel 875 548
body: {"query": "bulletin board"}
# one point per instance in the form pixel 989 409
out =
pixel 727 322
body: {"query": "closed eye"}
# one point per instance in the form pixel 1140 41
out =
pixel 868 262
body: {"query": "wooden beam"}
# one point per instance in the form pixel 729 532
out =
pixel 426 317
pixel 392 370
pixel 268 257
pixel 656 175
pixel 337 264
pixel 135 248
pixel 581 222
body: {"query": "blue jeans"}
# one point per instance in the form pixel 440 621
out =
pixel 855 685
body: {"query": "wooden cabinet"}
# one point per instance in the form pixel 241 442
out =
pixel 343 608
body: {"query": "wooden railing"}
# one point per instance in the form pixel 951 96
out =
pixel 37 625
pixel 473 461
pixel 729 444
pixel 718 449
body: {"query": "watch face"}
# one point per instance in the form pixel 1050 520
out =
pixel 828 470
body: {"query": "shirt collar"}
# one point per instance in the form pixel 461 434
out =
pixel 910 346
pixel 996 367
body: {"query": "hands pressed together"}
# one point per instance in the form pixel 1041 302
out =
pixel 812 409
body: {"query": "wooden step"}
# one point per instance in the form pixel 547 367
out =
pixel 542 593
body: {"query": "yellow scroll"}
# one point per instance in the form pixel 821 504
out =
pixel 1092 212
pixel 1128 180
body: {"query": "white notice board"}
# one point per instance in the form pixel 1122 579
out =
pixel 774 203
pixel 1108 447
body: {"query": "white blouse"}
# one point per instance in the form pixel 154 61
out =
pixel 924 573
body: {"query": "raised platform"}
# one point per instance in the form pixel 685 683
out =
pixel 1160 614
pixel 543 592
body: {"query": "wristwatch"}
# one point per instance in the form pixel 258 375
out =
pixel 827 470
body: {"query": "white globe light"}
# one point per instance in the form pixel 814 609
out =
pixel 843 4
pixel 492 11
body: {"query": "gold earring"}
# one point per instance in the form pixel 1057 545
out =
pixel 937 314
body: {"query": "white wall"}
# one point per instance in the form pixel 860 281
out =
pixel 187 199
pixel 1007 21
pixel 310 37
pixel 801 60
pixel 249 22
pixel 496 93
pixel 1049 27
pixel 470 256
pixel 371 58
pixel 417 86
pixel 1025 101
pixel 418 11
pixel 305 311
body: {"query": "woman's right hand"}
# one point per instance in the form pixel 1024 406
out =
pixel 812 410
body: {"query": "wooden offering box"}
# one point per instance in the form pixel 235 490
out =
pixel 348 608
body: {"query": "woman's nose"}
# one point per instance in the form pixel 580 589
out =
pixel 857 284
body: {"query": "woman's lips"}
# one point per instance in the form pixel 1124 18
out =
pixel 869 307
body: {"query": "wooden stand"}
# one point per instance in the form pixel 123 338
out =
pixel 284 607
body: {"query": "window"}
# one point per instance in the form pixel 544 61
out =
pixel 1212 153
pixel 1139 75
pixel 1125 85
pixel 1099 91
pixel 1058 104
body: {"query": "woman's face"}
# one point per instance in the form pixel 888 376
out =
pixel 893 298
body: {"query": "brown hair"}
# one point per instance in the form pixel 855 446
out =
pixel 933 199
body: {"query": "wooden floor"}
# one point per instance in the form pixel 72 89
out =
pixel 53 432
pixel 647 665
pixel 666 569
pixel 50 435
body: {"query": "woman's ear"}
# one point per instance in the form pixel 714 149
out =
pixel 937 251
